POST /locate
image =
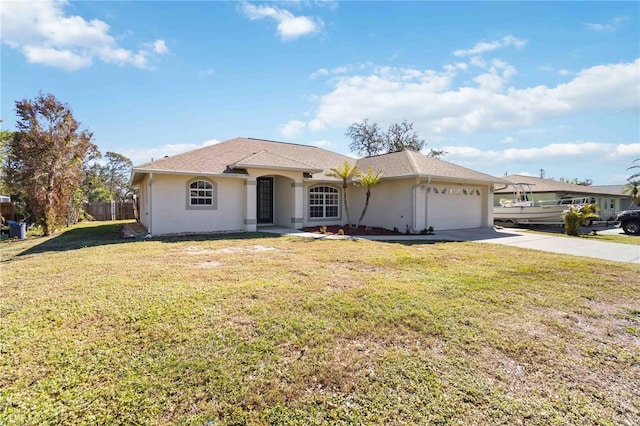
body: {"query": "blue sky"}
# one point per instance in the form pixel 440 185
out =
pixel 503 87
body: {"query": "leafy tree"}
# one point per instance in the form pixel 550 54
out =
pixel 118 170
pixel 108 182
pixel 577 215
pixel 95 185
pixel 46 159
pixel 367 180
pixel 368 139
pixel 346 172
pixel 5 137
pixel 576 181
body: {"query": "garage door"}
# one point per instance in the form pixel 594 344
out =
pixel 454 207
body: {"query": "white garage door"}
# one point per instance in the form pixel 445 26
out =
pixel 454 207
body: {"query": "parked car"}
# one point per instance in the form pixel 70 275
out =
pixel 629 221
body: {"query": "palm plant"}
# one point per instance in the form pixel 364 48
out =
pixel 635 166
pixel 366 180
pixel 633 186
pixel 346 172
pixel 577 215
pixel 633 189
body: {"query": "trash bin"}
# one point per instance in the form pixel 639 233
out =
pixel 17 229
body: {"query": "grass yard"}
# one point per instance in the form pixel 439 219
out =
pixel 257 329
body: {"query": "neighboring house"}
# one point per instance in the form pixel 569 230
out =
pixel 625 201
pixel 608 198
pixel 243 183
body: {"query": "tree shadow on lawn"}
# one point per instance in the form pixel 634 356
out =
pixel 111 234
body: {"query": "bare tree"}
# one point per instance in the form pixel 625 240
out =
pixel 366 139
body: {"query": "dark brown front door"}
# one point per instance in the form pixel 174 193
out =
pixel 265 200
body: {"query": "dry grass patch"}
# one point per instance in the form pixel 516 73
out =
pixel 293 331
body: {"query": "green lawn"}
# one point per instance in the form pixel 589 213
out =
pixel 257 329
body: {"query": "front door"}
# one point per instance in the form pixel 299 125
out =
pixel 265 200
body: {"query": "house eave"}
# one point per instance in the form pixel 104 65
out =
pixel 136 172
pixel 288 169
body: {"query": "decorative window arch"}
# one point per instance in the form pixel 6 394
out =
pixel 324 202
pixel 202 194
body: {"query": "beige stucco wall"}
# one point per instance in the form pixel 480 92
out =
pixel 390 204
pixel 168 195
pixel 402 202
pixel 394 203
pixel 283 201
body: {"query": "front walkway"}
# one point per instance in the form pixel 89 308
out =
pixel 511 237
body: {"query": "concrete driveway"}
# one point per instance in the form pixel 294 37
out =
pixel 550 243
pixel 509 237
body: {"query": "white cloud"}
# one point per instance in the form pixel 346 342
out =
pixel 46 35
pixel 207 73
pixel 488 46
pixel 548 153
pixel 290 26
pixel 210 142
pixel 322 144
pixel 610 26
pixel 437 107
pixel 64 59
pixel 160 47
pixel 319 72
pixel 292 129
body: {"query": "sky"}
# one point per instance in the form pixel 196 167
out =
pixel 502 87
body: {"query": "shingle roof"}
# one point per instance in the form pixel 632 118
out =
pixel 270 160
pixel 231 156
pixel 414 164
pixel 220 158
pixel 549 185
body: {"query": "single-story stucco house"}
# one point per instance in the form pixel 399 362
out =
pixel 608 198
pixel 243 183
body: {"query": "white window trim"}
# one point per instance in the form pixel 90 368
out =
pixel 214 195
pixel 324 205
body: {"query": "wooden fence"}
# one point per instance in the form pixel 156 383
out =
pixel 110 211
pixel 8 211
pixel 99 211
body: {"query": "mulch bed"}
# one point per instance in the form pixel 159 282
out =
pixel 362 230
pixel 133 230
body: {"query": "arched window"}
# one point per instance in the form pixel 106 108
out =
pixel 324 202
pixel 201 194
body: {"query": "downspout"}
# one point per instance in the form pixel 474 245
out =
pixel 150 203
pixel 413 201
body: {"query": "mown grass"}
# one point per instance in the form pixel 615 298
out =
pixel 256 329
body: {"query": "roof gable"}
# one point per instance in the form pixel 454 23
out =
pixel 270 160
pixel 221 158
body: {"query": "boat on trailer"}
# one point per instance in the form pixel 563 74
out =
pixel 520 209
